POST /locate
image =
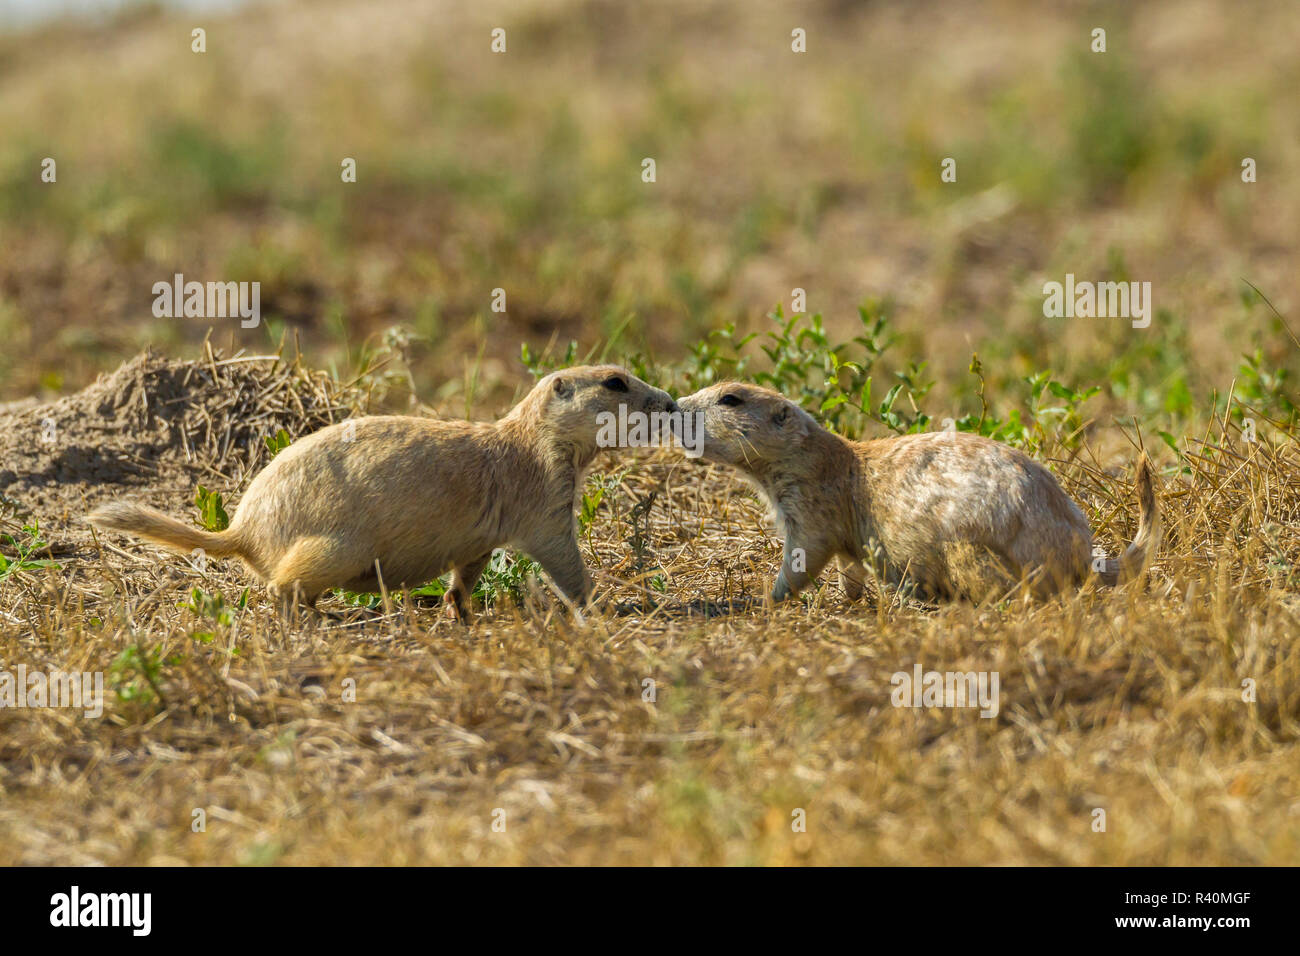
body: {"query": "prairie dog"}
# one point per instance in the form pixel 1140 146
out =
pixel 943 514
pixel 417 496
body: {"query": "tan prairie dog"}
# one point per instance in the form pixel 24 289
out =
pixel 417 497
pixel 940 514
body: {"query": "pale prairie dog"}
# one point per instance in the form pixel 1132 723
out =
pixel 942 514
pixel 417 496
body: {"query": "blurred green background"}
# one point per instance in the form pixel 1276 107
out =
pixel 776 170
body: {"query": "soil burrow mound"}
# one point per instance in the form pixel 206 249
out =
pixel 155 428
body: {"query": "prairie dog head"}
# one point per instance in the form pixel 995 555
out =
pixel 747 426
pixel 589 407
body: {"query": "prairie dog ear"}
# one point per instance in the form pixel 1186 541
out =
pixel 563 387
pixel 790 420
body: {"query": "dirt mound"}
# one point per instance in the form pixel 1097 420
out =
pixel 155 427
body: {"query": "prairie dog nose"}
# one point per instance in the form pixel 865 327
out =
pixel 660 402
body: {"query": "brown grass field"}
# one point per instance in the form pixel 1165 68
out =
pixel 381 733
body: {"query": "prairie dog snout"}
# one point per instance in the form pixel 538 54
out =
pixel 410 498
pixel 948 514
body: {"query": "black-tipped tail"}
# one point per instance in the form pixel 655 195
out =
pixel 1137 556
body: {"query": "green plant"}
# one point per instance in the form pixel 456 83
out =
pixel 717 357
pixel 212 511
pixel 1263 389
pixel 369 600
pixel 915 387
pixel 278 442
pixel 506 575
pixel 638 540
pixel 1041 423
pixel 540 365
pixel 29 543
pixel 213 607
pixel 832 380
pixel 1060 421
pixel 136 675
pixel 597 487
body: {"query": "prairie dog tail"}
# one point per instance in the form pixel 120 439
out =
pixel 159 528
pixel 1147 539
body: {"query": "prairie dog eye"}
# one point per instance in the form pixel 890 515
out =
pixel 731 400
pixel 615 384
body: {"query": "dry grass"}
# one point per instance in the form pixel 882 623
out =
pixel 1127 700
